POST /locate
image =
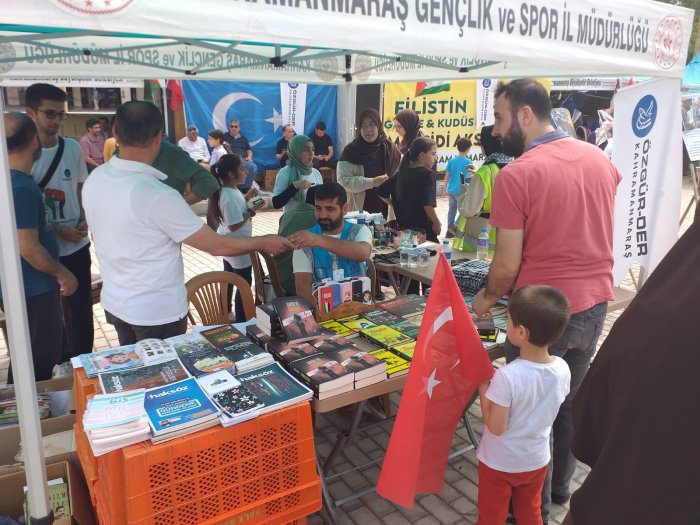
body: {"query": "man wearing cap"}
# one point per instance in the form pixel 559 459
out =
pixel 194 145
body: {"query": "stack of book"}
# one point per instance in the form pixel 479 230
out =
pixel 8 409
pixel 113 421
pixel 236 402
pixel 331 294
pixel 267 320
pixel 178 409
pixel 296 318
pixel 406 306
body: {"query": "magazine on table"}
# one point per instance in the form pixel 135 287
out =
pixel 110 360
pixel 199 356
pixel 146 377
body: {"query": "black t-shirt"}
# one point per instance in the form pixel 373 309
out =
pixel 239 146
pixel 321 144
pixel 417 191
pixel 282 145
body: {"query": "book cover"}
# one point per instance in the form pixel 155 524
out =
pixel 384 336
pixel 356 322
pixel 145 377
pixel 199 356
pixel 339 329
pixel 59 501
pixel 322 372
pixel 106 410
pixel 245 350
pixel 289 352
pixel 324 297
pixel 237 401
pixel 362 363
pixel 178 405
pixel 345 291
pixel 395 364
pixel 154 351
pixel 296 318
pixel 486 328
pixel 405 350
pixel 258 336
pixel 380 316
pixel 217 382
pixel 407 328
pixel 274 387
pixel 405 305
pixel 110 360
pixel 222 337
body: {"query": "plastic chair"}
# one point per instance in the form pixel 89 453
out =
pixel 207 293
pixel 259 276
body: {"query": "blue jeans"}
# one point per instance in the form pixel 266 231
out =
pixel 576 347
pixel 252 171
pixel 452 212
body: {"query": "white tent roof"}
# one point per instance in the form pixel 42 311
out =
pixel 335 41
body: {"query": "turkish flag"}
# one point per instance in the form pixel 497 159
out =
pixel 176 94
pixel 448 364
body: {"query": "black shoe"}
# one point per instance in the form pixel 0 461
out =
pixel 560 499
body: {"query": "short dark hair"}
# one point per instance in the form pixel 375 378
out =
pixel 331 190
pixel 464 144
pixel 19 131
pixel 38 92
pixel 543 310
pixel 526 92
pixel 91 122
pixel 137 123
pixel 321 125
pixel 103 118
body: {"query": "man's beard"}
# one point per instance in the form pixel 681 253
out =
pixel 331 225
pixel 513 143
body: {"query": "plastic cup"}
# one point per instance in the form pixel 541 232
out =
pixel 403 256
pixel 412 258
pixel 423 257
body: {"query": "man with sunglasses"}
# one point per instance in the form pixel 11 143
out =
pixel 241 147
pixel 60 173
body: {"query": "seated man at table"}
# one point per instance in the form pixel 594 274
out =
pixel 333 244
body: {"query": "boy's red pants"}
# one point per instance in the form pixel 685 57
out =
pixel 497 488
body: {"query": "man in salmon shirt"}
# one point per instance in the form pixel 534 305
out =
pixel 553 210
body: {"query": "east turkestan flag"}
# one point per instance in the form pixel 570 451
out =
pixel 448 364
pixel 430 88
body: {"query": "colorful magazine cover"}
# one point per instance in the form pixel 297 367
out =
pixel 110 360
pixel 178 405
pixel 274 386
pixel 199 356
pixel 146 377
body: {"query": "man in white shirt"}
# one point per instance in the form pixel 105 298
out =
pixel 138 224
pixel 60 173
pixel 332 244
pixel 195 145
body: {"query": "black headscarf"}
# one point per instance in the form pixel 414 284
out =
pixel 410 121
pixel 378 157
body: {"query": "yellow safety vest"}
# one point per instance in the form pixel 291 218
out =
pixel 464 241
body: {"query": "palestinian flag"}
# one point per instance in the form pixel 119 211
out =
pixel 430 88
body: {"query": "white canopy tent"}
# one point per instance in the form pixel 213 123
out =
pixel 315 41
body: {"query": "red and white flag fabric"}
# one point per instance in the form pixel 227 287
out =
pixel 448 364
pixel 176 94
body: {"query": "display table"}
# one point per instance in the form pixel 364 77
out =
pixel 425 274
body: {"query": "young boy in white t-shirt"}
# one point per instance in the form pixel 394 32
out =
pixel 519 407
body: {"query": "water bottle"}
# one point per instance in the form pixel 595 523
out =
pixel 361 217
pixel 482 245
pixel 447 249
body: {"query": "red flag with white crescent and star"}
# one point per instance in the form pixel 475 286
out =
pixel 448 364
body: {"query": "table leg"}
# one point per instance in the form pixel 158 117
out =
pixel 405 283
pixel 328 502
pixel 467 423
pixel 393 283
pixel 344 436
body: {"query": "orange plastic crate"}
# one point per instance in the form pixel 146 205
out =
pixel 87 460
pixel 216 474
pixel 85 387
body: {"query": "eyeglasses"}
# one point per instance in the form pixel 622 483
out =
pixel 370 125
pixel 232 126
pixel 53 115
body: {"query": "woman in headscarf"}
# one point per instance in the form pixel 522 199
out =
pixel 407 125
pixel 297 176
pixel 367 162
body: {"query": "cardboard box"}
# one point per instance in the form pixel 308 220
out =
pixel 11 497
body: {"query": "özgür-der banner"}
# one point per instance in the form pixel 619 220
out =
pixel 646 150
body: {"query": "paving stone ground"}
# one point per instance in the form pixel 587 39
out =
pixel 456 504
